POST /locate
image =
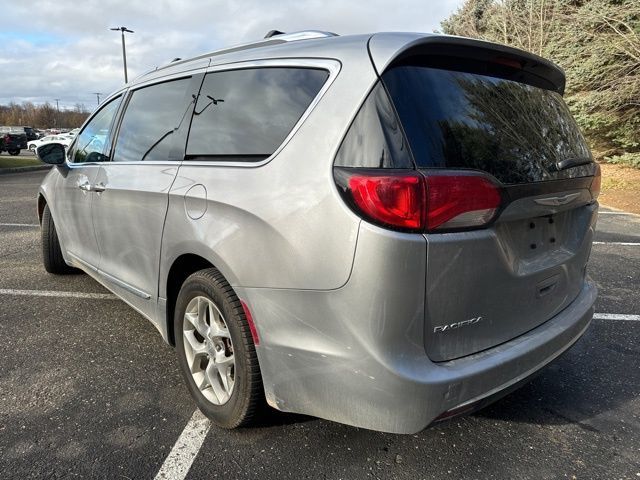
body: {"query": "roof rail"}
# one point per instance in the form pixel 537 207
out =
pixel 272 37
pixel 301 35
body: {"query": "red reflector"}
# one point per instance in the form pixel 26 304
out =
pixel 395 200
pixel 460 201
pixel 252 325
pixel 596 183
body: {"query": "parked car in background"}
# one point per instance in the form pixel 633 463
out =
pixel 14 139
pixel 71 133
pixel 63 139
pixel 383 230
pixel 30 133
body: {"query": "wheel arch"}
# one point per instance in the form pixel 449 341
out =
pixel 181 268
pixel 42 202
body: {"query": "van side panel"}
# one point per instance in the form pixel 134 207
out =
pixel 279 224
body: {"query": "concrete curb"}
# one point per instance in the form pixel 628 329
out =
pixel 24 169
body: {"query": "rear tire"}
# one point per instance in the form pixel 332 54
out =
pixel 14 151
pixel 226 407
pixel 51 251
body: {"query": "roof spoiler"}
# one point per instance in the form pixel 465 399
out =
pixel 391 49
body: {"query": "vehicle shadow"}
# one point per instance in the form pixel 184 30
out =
pixel 270 417
pixel 578 386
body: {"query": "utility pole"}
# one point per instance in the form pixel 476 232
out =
pixel 97 94
pixel 57 112
pixel 124 51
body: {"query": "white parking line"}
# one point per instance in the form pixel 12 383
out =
pixel 19 184
pixel 615 316
pixel 55 293
pixel 177 464
pixel 630 244
pixel 19 225
pixel 615 213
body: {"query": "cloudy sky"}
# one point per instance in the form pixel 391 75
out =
pixel 64 49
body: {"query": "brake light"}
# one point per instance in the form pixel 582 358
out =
pixel 509 62
pixel 411 201
pixel 394 200
pixel 596 183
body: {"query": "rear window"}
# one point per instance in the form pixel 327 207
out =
pixel 516 132
pixel 246 114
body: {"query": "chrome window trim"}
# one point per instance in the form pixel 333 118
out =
pixel 174 163
pixel 333 66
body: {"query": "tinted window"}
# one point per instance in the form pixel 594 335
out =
pixel 516 132
pixel 151 122
pixel 90 143
pixel 375 139
pixel 248 113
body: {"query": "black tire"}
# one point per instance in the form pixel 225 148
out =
pixel 247 396
pixel 51 252
pixel 14 151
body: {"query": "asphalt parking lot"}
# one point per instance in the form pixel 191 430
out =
pixel 88 389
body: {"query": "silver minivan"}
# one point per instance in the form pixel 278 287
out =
pixel 382 230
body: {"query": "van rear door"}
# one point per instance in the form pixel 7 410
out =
pixel 492 279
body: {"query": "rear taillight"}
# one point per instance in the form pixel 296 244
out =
pixel 392 200
pixel 411 201
pixel 460 201
pixel 596 183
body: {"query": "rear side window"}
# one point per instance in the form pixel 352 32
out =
pixel 516 132
pixel 151 123
pixel 375 139
pixel 245 115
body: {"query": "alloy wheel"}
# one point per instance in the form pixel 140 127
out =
pixel 209 350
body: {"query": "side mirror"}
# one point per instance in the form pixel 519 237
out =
pixel 51 153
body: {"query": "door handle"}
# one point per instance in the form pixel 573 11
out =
pixel 87 187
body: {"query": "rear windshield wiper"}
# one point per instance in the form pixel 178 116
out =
pixel 572 162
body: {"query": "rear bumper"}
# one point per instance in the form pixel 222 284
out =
pixel 479 379
pixel 320 355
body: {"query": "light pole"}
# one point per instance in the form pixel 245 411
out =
pixel 57 112
pixel 97 94
pixel 124 52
